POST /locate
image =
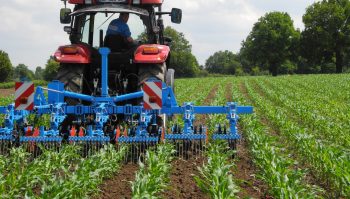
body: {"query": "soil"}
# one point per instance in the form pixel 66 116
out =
pixel 7 92
pixel 210 96
pixel 119 187
pixel 182 183
pixel 245 174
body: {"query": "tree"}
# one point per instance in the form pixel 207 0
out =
pixel 224 62
pixel 182 59
pixel 5 67
pixel 271 41
pixel 327 33
pixel 39 73
pixel 50 70
pixel 22 72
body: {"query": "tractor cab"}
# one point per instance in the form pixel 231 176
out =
pixel 130 63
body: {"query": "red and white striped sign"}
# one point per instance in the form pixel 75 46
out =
pixel 152 95
pixel 24 96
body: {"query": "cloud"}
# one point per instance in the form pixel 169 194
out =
pixel 30 31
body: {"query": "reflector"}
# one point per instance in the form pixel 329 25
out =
pixel 151 50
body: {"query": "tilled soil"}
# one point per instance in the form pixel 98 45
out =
pixel 245 173
pixel 182 183
pixel 7 92
pixel 119 187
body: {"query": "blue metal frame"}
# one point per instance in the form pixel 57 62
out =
pixel 105 105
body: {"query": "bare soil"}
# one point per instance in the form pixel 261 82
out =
pixel 182 183
pixel 7 92
pixel 245 173
pixel 118 186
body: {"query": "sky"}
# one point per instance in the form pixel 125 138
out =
pixel 30 30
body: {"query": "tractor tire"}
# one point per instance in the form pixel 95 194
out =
pixel 72 76
pixel 151 71
pixel 169 79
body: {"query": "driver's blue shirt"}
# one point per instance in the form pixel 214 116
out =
pixel 118 26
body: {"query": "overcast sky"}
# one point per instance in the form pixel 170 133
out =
pixel 30 30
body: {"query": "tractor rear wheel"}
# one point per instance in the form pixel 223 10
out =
pixel 72 75
pixel 151 70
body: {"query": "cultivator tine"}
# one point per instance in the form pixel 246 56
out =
pixel 36 145
pixel 137 140
pixel 5 146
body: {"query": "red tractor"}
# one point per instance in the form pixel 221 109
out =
pixel 129 65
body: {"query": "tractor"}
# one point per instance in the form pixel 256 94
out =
pixel 129 64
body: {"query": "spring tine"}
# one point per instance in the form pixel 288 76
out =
pixel 182 151
pixel 134 152
pixel 2 148
pixel 194 149
pixel 2 152
pixel 140 149
pixel 132 148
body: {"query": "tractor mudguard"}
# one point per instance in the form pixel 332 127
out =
pixel 151 54
pixel 75 53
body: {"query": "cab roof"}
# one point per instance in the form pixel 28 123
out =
pixel 134 2
pixel 111 8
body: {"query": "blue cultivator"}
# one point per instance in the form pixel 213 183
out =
pixel 101 120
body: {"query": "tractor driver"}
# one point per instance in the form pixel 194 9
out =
pixel 120 27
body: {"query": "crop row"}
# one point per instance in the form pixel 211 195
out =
pixel 331 164
pixel 153 176
pixel 53 174
pixel 216 177
pixel 277 169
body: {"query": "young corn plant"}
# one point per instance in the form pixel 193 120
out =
pixel 85 176
pixel 153 175
pixel 22 177
pixel 216 177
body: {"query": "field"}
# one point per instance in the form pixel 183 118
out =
pixel 295 145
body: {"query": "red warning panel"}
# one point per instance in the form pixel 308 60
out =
pixel 24 96
pixel 152 95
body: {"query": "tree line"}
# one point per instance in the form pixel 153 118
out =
pixel 21 72
pixel 274 46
